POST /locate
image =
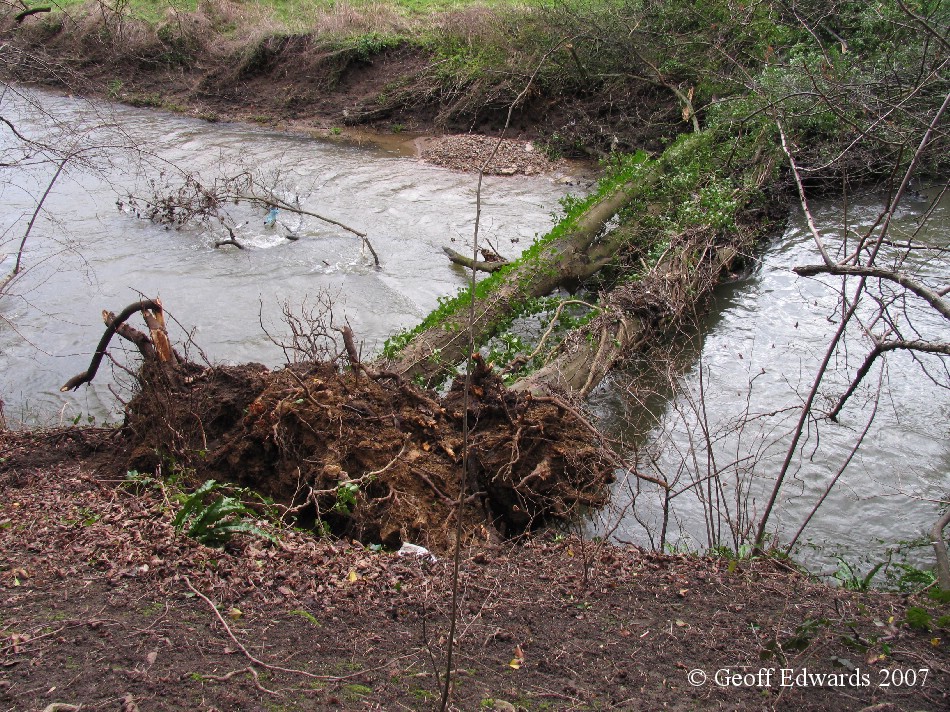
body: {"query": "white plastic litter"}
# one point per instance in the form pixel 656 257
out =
pixel 408 549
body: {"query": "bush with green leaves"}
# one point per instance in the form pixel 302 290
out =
pixel 212 517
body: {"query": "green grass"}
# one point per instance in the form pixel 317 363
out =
pixel 298 15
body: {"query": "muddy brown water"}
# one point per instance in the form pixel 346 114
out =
pixel 769 328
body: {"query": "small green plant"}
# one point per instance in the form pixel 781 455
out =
pixel 918 618
pixel 336 131
pixel 308 616
pixel 908 579
pixel 115 88
pixel 214 523
pixel 139 482
pixel 346 497
pixel 356 691
pixel 850 579
pixel 153 608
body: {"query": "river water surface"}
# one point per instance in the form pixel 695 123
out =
pixel 741 383
pixel 767 330
pixel 85 255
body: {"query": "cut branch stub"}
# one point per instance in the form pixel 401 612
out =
pixel 154 348
pixel 482 266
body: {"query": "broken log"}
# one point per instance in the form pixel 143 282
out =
pixel 156 348
pixel 480 265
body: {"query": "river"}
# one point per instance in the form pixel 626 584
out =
pixel 768 329
pixel 740 383
pixel 85 255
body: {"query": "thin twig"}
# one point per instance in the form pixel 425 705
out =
pixel 457 552
pixel 256 661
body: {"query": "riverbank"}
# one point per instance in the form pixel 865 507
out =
pixel 106 605
pixel 433 72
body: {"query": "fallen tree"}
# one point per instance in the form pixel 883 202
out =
pixel 359 450
pixel 666 246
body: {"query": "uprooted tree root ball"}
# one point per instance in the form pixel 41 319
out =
pixel 373 458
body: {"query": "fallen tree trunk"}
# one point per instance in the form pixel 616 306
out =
pixel 568 256
pixel 636 314
pixel 692 261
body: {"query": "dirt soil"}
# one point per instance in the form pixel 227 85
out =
pixel 105 606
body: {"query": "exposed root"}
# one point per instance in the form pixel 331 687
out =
pixel 370 456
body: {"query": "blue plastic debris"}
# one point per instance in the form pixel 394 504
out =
pixel 271 217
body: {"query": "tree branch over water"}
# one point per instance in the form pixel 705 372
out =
pixel 194 200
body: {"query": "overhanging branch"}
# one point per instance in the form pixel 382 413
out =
pixel 881 348
pixel 931 296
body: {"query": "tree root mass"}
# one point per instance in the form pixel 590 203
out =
pixel 371 458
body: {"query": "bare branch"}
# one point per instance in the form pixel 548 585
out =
pixel 881 348
pixel 931 296
pixel 113 325
pixel 480 265
pixel 819 240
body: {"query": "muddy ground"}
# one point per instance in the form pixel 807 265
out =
pixel 105 606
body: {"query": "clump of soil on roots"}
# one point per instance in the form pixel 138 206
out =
pixel 372 457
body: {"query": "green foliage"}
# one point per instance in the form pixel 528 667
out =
pixel 346 498
pixel 139 483
pixel 307 616
pixel 938 595
pixel 851 579
pixel 918 618
pixel 744 553
pixel 505 348
pixel 213 518
pixel 906 578
pixel 355 690
pixel 367 46
pixel 115 88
